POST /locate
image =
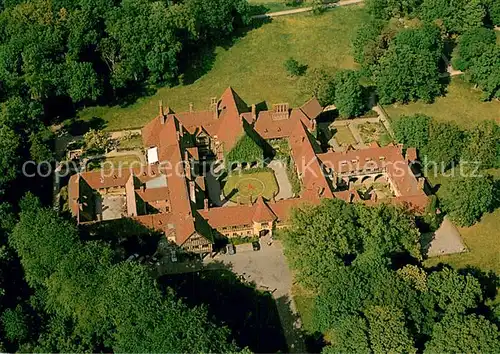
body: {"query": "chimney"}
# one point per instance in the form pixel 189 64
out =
pixel 191 107
pixel 186 156
pixel 254 112
pixel 142 188
pixel 205 204
pixel 192 191
pixel 280 111
pixel 181 131
pixel 178 136
pixel 161 108
pixel 187 169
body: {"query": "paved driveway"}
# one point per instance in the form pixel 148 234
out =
pixel 267 268
pixel 285 188
pixel 269 271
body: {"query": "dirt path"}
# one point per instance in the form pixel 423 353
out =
pixel 306 9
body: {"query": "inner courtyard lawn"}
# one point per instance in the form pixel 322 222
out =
pixel 253 66
pixel 461 104
pixel 247 187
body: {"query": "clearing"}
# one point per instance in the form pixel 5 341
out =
pixel 246 186
pixel 461 104
pixel 253 66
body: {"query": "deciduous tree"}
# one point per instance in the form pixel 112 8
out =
pixel 348 94
pixel 466 199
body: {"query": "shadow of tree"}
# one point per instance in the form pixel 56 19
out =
pixel 251 315
pixel 80 127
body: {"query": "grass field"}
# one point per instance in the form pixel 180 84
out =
pixel 242 187
pixel 253 66
pixel 461 104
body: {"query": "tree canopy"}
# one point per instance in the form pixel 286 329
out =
pixel 467 198
pixel 409 69
pixel 87 300
pixel 348 94
pixel 370 292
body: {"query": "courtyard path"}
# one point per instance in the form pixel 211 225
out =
pixel 285 188
pixel 306 9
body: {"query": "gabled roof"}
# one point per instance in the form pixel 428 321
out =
pixel 262 212
pixel 312 109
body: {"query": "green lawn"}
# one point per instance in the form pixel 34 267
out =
pixel 344 136
pixel 253 66
pixel 124 161
pixel 242 187
pixel 461 104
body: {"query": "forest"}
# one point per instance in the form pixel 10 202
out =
pixel 60 292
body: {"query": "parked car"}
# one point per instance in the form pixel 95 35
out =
pixel 173 256
pixel 230 249
pixel 256 246
pixel 133 257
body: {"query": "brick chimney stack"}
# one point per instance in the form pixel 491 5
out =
pixel 254 113
pixel 205 204
pixel 192 191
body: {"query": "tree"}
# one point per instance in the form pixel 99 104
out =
pixel 464 333
pixel 350 336
pixel 482 145
pixel 388 331
pixel 493 11
pixel 293 67
pixel 370 44
pixel 14 323
pixel 453 292
pixel 409 71
pixel 9 158
pixel 39 149
pixel 485 72
pixel 445 144
pixel 83 83
pixel 97 140
pixel 320 84
pixel 348 94
pixel 472 44
pixel 385 9
pixel 466 199
pixel 413 131
pixel 42 239
pixel 454 16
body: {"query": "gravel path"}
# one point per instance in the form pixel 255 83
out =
pixel 306 9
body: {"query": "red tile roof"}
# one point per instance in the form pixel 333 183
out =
pixel 312 108
pixel 262 212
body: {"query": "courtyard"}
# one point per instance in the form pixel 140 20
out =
pixel 244 186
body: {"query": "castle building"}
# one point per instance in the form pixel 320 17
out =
pixel 168 195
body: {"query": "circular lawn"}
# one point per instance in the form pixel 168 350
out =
pixel 242 187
